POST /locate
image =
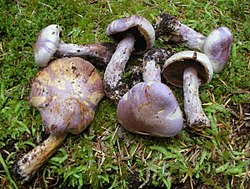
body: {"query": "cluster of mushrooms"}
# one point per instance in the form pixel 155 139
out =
pixel 68 88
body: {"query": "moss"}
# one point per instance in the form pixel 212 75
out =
pixel 105 155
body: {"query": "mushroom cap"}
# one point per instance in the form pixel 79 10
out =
pixel 150 108
pixel 66 93
pixel 218 46
pixel 46 44
pixel 174 67
pixel 140 27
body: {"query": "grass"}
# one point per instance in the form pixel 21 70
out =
pixel 105 155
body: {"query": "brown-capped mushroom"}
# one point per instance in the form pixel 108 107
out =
pixel 190 69
pixel 133 34
pixel 49 45
pixel 66 93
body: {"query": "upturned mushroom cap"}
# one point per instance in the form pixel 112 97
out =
pixel 174 67
pixel 150 108
pixel 218 46
pixel 140 27
pixel 66 93
pixel 46 44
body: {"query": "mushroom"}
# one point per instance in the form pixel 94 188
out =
pixel 133 33
pixel 49 45
pixel 216 46
pixel 66 93
pixel 190 69
pixel 149 107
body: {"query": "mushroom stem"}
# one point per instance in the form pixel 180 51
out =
pixel 190 37
pixel 151 64
pixel 116 66
pixel 33 160
pixel 152 72
pixel 192 102
pixel 102 51
pixel 178 32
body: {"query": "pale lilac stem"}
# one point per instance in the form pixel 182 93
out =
pixel 102 51
pixel 189 37
pixel 116 66
pixel 192 103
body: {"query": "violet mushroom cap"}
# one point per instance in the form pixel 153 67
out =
pixel 190 69
pixel 150 107
pixel 66 93
pixel 140 27
pixel 48 46
pixel 217 47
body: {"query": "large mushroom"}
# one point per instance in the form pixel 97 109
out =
pixel 133 34
pixel 49 45
pixel 190 69
pixel 150 107
pixel 216 46
pixel 66 93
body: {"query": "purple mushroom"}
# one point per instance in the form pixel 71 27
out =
pixel 150 107
pixel 133 34
pixel 49 45
pixel 216 46
pixel 190 69
pixel 66 93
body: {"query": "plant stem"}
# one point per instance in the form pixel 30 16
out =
pixel 5 167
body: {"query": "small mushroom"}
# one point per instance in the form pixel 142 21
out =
pixel 49 45
pixel 133 34
pixel 216 46
pixel 149 107
pixel 66 93
pixel 190 69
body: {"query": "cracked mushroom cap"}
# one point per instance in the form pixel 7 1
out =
pixel 140 27
pixel 66 93
pixel 46 44
pixel 174 67
pixel 150 108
